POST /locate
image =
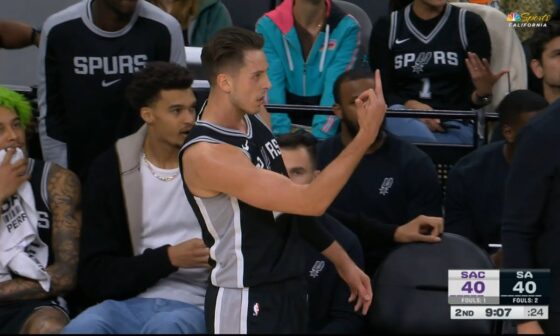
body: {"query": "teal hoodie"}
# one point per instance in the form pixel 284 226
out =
pixel 212 15
pixel 310 82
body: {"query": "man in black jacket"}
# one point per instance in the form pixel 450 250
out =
pixel 394 189
pixel 531 220
pixel 141 240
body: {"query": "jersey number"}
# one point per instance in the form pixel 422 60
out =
pixel 425 93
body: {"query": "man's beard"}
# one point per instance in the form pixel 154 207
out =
pixel 353 127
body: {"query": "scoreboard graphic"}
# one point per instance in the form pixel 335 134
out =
pixel 499 294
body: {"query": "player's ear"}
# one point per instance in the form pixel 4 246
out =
pixel 224 82
pixel 147 114
pixel 337 110
pixel 537 68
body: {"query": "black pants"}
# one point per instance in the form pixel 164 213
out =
pixel 272 308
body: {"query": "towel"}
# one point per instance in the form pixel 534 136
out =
pixel 21 250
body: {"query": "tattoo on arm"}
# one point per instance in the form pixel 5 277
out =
pixel 65 204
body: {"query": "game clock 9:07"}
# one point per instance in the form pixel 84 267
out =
pixel 498 312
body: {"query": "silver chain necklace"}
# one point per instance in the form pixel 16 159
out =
pixel 159 177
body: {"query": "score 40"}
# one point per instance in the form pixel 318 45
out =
pixel 477 286
pixel 529 287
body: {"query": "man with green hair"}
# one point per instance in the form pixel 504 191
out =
pixel 40 220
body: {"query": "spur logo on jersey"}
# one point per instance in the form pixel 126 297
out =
pixel 423 59
pixel 417 61
pixel 385 186
pixel 318 266
pixel 269 152
pixel 113 65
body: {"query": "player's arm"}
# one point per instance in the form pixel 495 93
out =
pixel 342 319
pixel 64 196
pixel 14 35
pixel 357 280
pixel 531 327
pixel 219 168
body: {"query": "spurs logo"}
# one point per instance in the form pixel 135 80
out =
pixel 385 186
pixel 317 268
pixel 423 59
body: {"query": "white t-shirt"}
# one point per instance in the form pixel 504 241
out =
pixel 169 219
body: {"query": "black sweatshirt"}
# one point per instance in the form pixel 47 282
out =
pixel 388 188
pixel 475 195
pixel 531 221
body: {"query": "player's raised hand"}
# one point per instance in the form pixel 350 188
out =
pixel 370 109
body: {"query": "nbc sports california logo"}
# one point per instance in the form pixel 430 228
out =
pixel 529 20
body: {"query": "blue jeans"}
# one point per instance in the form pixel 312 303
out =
pixel 414 130
pixel 139 315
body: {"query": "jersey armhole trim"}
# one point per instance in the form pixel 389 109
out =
pixel 45 185
pixel 392 28
pixel 463 29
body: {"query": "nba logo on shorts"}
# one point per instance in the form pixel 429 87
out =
pixel 256 309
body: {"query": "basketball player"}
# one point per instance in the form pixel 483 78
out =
pixel 235 178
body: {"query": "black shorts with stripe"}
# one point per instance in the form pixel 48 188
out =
pixel 272 308
pixel 13 315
